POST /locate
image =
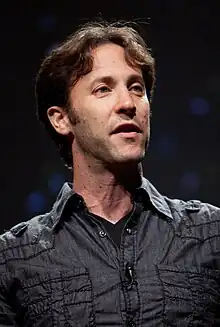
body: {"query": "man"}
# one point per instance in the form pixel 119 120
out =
pixel 112 251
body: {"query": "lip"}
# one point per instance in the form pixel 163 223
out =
pixel 128 134
pixel 127 128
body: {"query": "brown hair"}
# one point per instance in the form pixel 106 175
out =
pixel 60 70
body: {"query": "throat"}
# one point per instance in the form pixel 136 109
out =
pixel 114 212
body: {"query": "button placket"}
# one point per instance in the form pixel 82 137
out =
pixel 102 233
pixel 128 261
pixel 107 244
pixel 131 323
pixel 128 230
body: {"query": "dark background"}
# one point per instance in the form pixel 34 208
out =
pixel 183 159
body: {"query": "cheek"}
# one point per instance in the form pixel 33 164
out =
pixel 145 120
pixel 146 116
pixel 90 125
pixel 74 117
pixel 95 117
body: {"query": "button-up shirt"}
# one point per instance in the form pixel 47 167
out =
pixel 63 269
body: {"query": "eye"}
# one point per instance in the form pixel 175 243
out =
pixel 137 88
pixel 102 89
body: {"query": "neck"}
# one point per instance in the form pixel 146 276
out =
pixel 107 190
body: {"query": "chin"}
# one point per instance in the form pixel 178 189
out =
pixel 137 155
pixel 125 156
pixel 136 158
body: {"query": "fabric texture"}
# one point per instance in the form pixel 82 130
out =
pixel 63 269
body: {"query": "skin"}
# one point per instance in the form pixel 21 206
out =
pixel 102 161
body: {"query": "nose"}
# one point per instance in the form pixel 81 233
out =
pixel 125 103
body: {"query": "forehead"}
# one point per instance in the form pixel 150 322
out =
pixel 109 58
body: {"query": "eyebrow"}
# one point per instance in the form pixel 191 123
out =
pixel 110 80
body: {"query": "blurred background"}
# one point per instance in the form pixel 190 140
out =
pixel 183 159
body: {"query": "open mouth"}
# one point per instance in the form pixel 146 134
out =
pixel 127 129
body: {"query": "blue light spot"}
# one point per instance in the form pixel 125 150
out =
pixel 190 182
pixel 35 202
pixel 55 182
pixel 165 145
pixel 47 22
pixel 199 106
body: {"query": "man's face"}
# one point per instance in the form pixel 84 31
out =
pixel 110 109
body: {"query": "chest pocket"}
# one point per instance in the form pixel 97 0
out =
pixel 58 298
pixel 191 296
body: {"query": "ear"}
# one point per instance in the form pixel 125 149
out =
pixel 59 120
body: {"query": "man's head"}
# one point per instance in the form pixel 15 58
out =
pixel 101 78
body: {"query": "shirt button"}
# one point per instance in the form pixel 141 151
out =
pixel 102 233
pixel 131 323
pixel 128 230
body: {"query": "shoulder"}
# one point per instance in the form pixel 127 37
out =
pixel 190 212
pixel 195 219
pixel 26 239
pixel 201 211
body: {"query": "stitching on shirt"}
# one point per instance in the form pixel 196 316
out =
pixel 178 298
pixel 196 295
pixel 177 234
pixel 55 280
pixel 17 246
pixel 163 293
pixel 126 302
pixel 201 224
pixel 92 319
pixel 35 241
pixel 129 309
pixel 164 318
pixel 78 303
pixel 110 289
pixel 179 286
pixel 204 273
pixel 139 304
pixel 166 254
pixel 29 303
pixel 211 237
pixel 194 311
pixel 27 300
pixel 196 308
pixel 136 285
pixel 61 279
pixel 50 304
pixel 120 284
pixel 23 258
pixel 46 298
pixel 64 306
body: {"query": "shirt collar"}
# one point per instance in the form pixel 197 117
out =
pixel 156 199
pixel 69 201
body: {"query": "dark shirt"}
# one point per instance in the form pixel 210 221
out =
pixel 114 231
pixel 63 269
